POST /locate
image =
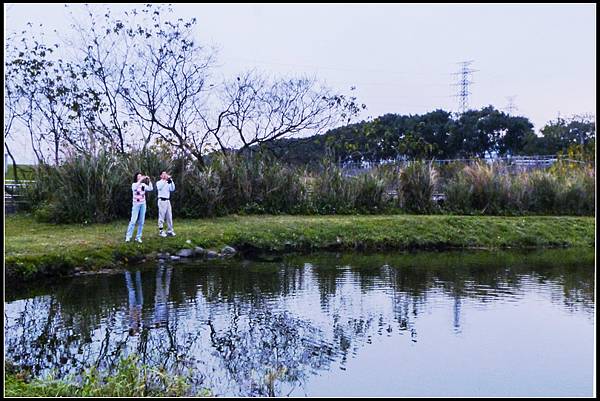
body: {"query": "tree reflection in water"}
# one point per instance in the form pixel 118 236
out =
pixel 264 329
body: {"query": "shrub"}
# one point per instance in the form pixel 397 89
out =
pixel 417 184
pixel 544 191
pixel 332 192
pixel 370 192
pixel 458 195
pixel 83 188
pixel 578 194
pixel 97 188
pixel 489 187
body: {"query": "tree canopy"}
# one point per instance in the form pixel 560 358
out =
pixel 438 134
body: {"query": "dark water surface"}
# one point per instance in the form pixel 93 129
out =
pixel 426 324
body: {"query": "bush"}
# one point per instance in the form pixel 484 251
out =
pixel 578 195
pixel 277 188
pixel 97 188
pixel 458 195
pixel 83 188
pixel 199 194
pixel 480 188
pixel 370 192
pixel 543 193
pixel 332 192
pixel 417 184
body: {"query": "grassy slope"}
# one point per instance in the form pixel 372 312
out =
pixel 24 171
pixel 31 247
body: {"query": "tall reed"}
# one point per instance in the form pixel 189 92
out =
pixel 98 188
pixel 417 185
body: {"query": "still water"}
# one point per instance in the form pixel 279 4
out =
pixel 426 324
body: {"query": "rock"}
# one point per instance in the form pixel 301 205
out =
pixel 199 251
pixel 212 255
pixel 186 253
pixel 228 251
pixel 175 257
pixel 163 255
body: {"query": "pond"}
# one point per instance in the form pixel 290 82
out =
pixel 395 324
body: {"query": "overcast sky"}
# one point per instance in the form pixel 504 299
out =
pixel 400 57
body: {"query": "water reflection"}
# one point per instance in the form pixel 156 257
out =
pixel 136 301
pixel 269 328
pixel 161 296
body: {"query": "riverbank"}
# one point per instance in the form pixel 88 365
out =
pixel 34 249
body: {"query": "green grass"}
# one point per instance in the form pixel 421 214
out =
pixel 130 379
pixel 24 172
pixel 32 247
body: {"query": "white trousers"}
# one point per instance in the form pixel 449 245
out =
pixel 165 213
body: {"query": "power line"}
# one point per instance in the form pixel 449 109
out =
pixel 463 84
pixel 319 67
pixel 511 107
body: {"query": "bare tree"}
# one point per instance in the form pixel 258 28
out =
pixel 103 52
pixel 168 81
pixel 262 111
pixel 130 80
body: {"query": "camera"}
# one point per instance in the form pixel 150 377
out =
pixel 169 180
pixel 146 180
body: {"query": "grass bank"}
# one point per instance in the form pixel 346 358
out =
pixel 33 249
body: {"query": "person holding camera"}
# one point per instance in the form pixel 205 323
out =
pixel 165 186
pixel 139 188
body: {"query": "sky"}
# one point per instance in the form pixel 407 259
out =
pixel 400 57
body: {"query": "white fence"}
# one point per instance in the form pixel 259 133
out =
pixel 513 162
pixel 13 196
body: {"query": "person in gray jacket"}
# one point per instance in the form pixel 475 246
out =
pixel 165 186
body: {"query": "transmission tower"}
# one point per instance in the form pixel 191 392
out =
pixel 511 107
pixel 463 85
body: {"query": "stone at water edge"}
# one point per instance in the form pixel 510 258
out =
pixel 199 251
pixel 175 257
pixel 186 253
pixel 212 255
pixel 228 251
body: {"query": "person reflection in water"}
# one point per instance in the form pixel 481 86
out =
pixel 136 300
pixel 161 296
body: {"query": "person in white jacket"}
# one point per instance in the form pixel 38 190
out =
pixel 165 186
pixel 139 188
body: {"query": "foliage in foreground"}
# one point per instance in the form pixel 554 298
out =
pixel 129 379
